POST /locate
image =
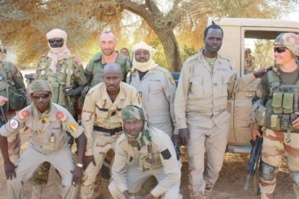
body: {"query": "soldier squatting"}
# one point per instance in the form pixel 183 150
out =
pixel 142 119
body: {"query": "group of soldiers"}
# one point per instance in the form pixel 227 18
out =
pixel 131 107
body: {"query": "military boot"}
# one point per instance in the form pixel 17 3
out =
pixel 296 189
pixel 37 191
pixel 208 193
pixel 197 195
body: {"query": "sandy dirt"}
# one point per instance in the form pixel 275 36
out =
pixel 229 185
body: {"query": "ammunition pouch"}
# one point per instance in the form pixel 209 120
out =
pixel 17 100
pixel 260 115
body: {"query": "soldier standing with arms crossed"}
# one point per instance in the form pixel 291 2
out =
pixel 66 75
pixel 201 110
pixel 102 122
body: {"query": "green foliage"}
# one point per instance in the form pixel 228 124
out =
pixel 187 52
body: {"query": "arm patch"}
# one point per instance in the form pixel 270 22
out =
pixel 166 154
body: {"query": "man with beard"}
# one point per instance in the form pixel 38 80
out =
pixel 48 123
pixel 152 154
pixel 66 75
pixel 102 122
pixel 95 67
pixel 201 110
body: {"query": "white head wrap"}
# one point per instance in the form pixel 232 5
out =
pixel 57 54
pixel 143 66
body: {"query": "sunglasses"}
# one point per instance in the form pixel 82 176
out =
pixel 280 49
pixel 57 40
pixel 44 96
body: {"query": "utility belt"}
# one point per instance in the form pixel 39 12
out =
pixel 110 131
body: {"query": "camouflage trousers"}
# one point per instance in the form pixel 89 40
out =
pixel 273 149
pixel 101 145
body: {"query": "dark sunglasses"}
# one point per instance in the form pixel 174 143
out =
pixel 44 96
pixel 280 49
pixel 57 40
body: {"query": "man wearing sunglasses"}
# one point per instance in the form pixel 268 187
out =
pixel 48 123
pixel 280 90
pixel 66 75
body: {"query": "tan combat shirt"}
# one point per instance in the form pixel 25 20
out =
pixel 201 97
pixel 160 143
pixel 99 110
pixel 48 129
pixel 157 89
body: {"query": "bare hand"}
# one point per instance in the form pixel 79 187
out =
pixel 9 168
pixel 3 100
pixel 87 160
pixel 77 175
pixel 255 133
pixel 261 72
pixel 184 136
pixel 68 91
pixel 295 123
pixel 175 138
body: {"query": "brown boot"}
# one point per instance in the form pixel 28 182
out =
pixel 208 193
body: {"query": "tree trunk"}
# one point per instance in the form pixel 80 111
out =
pixel 171 49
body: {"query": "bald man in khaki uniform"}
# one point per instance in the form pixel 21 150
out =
pixel 48 123
pixel 102 122
pixel 156 87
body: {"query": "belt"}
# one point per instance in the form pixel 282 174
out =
pixel 110 131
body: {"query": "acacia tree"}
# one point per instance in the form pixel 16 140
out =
pixel 23 23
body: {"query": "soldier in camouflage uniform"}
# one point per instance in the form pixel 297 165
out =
pixel 279 88
pixel 102 122
pixel 152 154
pixel 48 123
pixel 66 75
pixel 249 61
pixel 12 87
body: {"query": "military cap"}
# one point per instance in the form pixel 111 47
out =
pixel 132 112
pixel 290 41
pixel 39 85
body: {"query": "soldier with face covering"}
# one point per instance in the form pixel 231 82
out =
pixel 48 123
pixel 66 75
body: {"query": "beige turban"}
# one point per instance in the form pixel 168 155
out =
pixel 39 85
pixel 143 66
pixel 57 54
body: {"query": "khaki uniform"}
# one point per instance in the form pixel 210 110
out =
pixel 58 79
pixel 103 125
pixel 276 141
pixel 96 67
pixel 49 143
pixel 131 175
pixel 11 77
pixel 201 105
pixel 157 89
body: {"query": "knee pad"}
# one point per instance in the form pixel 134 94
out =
pixel 268 172
pixel 295 177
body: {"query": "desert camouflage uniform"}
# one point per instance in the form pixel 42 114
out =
pixel 157 90
pixel 249 63
pixel 58 80
pixel 12 77
pixel 103 126
pixel 201 106
pixel 154 155
pixel 279 138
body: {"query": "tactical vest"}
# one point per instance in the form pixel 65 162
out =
pixel 281 105
pixel 8 89
pixel 58 80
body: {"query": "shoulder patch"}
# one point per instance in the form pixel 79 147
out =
pixel 166 154
pixel 62 117
pixel 23 114
pixel 13 123
pixel 72 127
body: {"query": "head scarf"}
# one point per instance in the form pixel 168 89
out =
pixel 39 85
pixel 143 66
pixel 57 54
pixel 290 41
